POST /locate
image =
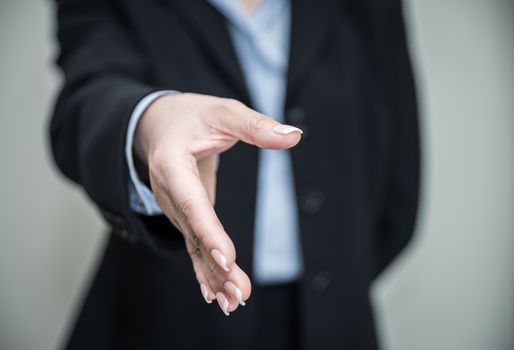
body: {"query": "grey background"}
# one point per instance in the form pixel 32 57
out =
pixel 452 289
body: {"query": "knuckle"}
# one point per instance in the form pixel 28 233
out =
pixel 256 122
pixel 186 207
pixel 234 104
pixel 198 240
pixel 194 251
pixel 211 271
pixel 224 107
pixel 190 226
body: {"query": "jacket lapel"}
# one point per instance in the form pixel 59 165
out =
pixel 211 29
pixel 311 22
pixel 310 27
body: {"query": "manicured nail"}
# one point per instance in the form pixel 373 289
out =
pixel 205 293
pixel 236 292
pixel 220 259
pixel 286 129
pixel 223 302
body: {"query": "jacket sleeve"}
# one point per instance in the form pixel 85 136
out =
pixel 105 76
pixel 399 202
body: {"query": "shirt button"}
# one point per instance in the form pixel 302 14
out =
pixel 321 281
pixel 310 202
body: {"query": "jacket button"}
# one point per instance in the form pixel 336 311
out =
pixel 310 202
pixel 123 233
pixel 321 281
pixel 295 115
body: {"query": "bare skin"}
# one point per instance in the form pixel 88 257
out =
pixel 251 5
pixel 178 140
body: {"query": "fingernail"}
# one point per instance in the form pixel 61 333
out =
pixel 205 293
pixel 223 303
pixel 220 259
pixel 286 129
pixel 236 292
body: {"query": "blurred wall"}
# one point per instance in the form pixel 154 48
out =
pixel 49 234
pixel 452 289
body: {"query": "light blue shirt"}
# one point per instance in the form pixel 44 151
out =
pixel 261 41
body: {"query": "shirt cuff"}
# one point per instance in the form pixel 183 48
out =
pixel 141 197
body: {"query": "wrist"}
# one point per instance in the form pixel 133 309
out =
pixel 145 130
pixel 143 136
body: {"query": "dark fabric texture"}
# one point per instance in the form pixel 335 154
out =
pixel 350 88
pixel 279 318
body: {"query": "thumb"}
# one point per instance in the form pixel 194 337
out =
pixel 258 129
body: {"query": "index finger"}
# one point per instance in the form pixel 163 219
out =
pixel 187 204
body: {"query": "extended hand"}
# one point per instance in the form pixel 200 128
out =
pixel 179 138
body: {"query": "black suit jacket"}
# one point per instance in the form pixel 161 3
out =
pixel 349 87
